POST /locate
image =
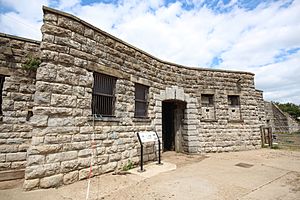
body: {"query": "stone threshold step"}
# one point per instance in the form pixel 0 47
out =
pixel 12 175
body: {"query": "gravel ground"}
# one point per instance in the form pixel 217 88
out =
pixel 252 175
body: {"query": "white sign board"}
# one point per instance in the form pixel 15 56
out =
pixel 148 136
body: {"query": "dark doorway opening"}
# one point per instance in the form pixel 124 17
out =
pixel 172 125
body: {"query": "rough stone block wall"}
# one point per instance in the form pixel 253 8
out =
pixel 71 50
pixel 17 101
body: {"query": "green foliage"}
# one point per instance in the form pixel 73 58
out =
pixel 31 64
pixel 292 109
pixel 128 166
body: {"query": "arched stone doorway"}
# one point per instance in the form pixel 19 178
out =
pixel 172 125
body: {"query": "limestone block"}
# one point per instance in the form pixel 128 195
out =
pixel 18 165
pixel 5 166
pixel 45 149
pixel 189 127
pixel 31 184
pixel 79 39
pixel 114 157
pixel 68 166
pixel 83 55
pixel 57 88
pixel 75 146
pixel 100 150
pixel 6 128
pixel 7 104
pixel 38 171
pixel 61 121
pixel 84 103
pixel 48 28
pixel 63 100
pixel 16 156
pixel 52 111
pixel 20 105
pixel 170 93
pixel 84 162
pixel 71 177
pixel 50 17
pixel 37 140
pixel 89 33
pixel 65 58
pixel 84 173
pixel 180 94
pixel 86 81
pixel 21 97
pixel 109 167
pixel 22 127
pixel 8 148
pixel 15 140
pixel 63 156
pixel 39 120
pixel 102 159
pixel 80 62
pixel 26 88
pixel 46 72
pixel 35 160
pixel 2 157
pixel 51 181
pixel 47 38
pixel 59 139
pixel 85 153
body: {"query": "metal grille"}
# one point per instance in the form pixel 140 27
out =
pixel 141 103
pixel 233 100
pixel 1 87
pixel 207 100
pixel 103 94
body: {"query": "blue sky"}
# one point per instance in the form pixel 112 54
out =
pixel 262 37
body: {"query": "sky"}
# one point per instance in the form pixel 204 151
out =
pixel 262 37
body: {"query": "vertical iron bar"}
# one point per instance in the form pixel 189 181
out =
pixel 159 155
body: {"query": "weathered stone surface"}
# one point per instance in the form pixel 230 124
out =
pixel 16 156
pixel 68 166
pixel 64 135
pixel 51 181
pixel 31 184
pixel 58 157
pixel 63 100
pixel 39 171
pixel 71 177
pixel 35 160
pixel 46 72
pixel 39 120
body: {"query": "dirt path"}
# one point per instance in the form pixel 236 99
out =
pixel 250 175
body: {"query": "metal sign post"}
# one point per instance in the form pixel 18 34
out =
pixel 144 137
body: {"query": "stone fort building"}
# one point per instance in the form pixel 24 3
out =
pixel 91 84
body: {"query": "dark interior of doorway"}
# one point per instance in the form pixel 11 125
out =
pixel 172 115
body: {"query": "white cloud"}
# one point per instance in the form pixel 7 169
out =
pixel 247 40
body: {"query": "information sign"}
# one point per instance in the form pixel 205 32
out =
pixel 148 136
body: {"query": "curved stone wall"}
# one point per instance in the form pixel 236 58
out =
pixel 71 51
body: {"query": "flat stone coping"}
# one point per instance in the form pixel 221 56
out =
pixel 153 169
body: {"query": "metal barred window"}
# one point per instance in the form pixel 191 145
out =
pixel 103 94
pixel 207 100
pixel 141 100
pixel 233 100
pixel 1 87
